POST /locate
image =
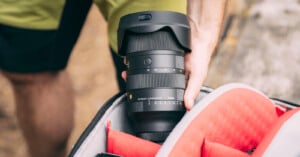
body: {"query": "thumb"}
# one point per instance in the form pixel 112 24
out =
pixel 192 91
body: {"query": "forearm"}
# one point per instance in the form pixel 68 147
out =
pixel 206 18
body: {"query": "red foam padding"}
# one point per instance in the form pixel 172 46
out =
pixel 272 132
pixel 127 145
pixel 211 149
pixel 238 118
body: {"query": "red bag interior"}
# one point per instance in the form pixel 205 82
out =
pixel 211 149
pixel 272 132
pixel 232 124
pixel 128 145
pixel 238 118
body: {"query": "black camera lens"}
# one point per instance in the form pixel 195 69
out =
pixel 154 43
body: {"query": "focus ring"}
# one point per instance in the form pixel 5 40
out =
pixel 140 81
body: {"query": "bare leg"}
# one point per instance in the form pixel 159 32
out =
pixel 44 110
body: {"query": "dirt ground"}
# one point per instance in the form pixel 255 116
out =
pixel 261 49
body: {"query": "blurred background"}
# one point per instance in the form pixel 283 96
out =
pixel 259 46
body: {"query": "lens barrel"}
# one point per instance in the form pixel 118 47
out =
pixel 154 43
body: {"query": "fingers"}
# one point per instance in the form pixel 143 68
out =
pixel 196 71
pixel 124 75
pixel 193 88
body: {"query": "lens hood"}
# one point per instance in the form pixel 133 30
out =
pixel 152 21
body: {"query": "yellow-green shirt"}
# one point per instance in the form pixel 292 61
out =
pixel 32 14
pixel 45 14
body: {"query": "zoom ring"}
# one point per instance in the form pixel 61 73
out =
pixel 140 81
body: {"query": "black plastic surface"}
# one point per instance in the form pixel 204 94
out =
pixel 153 21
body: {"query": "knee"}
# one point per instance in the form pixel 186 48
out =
pixel 29 78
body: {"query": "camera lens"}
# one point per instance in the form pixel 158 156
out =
pixel 154 44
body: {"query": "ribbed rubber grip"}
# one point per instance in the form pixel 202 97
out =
pixel 156 80
pixel 161 40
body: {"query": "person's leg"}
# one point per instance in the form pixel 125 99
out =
pixel 44 106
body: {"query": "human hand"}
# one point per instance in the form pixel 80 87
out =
pixel 196 66
pixel 197 62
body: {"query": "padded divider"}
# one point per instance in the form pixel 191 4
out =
pixel 212 149
pixel 127 145
pixel 234 115
pixel 284 137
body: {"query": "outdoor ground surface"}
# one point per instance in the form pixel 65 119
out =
pixel 261 49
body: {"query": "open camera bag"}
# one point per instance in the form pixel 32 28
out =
pixel 234 120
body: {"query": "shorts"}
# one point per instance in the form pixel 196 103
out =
pixel 29 50
pixel 35 48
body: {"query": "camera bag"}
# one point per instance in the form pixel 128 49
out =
pixel 233 120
